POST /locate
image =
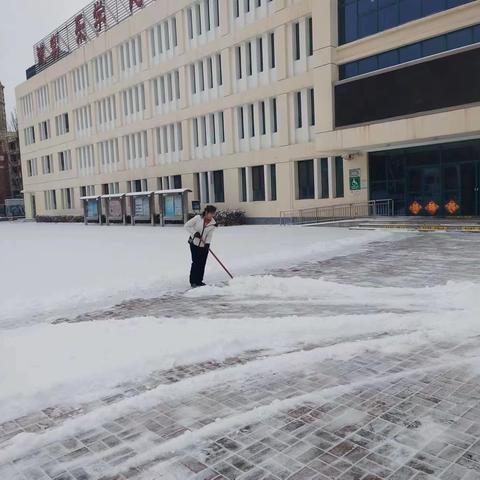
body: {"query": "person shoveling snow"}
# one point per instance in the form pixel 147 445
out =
pixel 201 229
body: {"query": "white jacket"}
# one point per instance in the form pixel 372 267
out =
pixel 196 225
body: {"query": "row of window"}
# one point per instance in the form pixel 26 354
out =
pixel 314 179
pixel 67 198
pixel 414 51
pixel 256 124
pixel 361 18
pixel 252 58
pixel 253 120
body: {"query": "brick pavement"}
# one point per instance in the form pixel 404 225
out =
pixel 412 415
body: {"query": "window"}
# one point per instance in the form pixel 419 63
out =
pixel 218 186
pixel 360 18
pixel 273 103
pixel 324 190
pixel 243 184
pixel 201 76
pixel 190 23
pixel 133 99
pixel 60 89
pixel 42 98
pixel 27 105
pixel 32 170
pixel 296 41
pixel 241 123
pixel 61 124
pixel 271 41
pixel 260 54
pixel 219 69
pixel 210 72
pixel 44 129
pixel 103 68
pixel 83 119
pixel 29 135
pixel 204 130
pixel 252 119
pixel 273 182
pixel 408 53
pixel 87 191
pixel 136 149
pixel 339 188
pixel 222 127
pixel 258 183
pixel 177 181
pixel 238 57
pixel 47 164
pixel 298 110
pixel 135 186
pixel 85 160
pixel 305 179
pixel 311 106
pixel 80 80
pixel 263 125
pixel 213 136
pixel 50 200
pixel 130 53
pixel 249 59
pixel 111 188
pixel 195 132
pixel 67 198
pixel 309 36
pixel 106 112
pixel 64 160
pixel 108 155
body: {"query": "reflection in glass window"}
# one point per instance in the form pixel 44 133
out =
pixel 414 51
pixel 360 18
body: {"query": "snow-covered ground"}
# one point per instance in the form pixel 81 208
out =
pixel 67 268
pixel 63 270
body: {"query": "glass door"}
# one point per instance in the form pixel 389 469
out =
pixel 469 188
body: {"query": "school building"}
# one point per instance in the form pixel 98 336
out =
pixel 261 105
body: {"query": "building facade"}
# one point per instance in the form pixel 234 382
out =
pixel 261 105
pixel 10 164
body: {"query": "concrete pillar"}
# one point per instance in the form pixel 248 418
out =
pixel 281 51
pixel 331 184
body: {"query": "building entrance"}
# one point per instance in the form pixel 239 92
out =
pixel 438 180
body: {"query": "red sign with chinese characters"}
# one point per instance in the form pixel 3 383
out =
pixel 80 29
pixel 138 3
pixel 99 16
pixel 41 54
pixel 55 46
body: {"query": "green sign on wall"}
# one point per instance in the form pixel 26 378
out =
pixel 355 183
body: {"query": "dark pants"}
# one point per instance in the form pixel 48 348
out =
pixel 199 260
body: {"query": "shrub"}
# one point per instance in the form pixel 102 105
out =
pixel 58 218
pixel 227 218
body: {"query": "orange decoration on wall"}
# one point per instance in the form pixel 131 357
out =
pixel 452 206
pixel 415 208
pixel 431 207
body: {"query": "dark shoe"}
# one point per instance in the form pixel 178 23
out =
pixel 201 284
pixel 193 285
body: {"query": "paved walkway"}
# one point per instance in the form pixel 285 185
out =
pixel 301 415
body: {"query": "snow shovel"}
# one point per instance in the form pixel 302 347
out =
pixel 222 265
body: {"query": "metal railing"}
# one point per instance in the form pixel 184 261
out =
pixel 372 208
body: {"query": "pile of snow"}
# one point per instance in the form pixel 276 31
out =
pixel 69 268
